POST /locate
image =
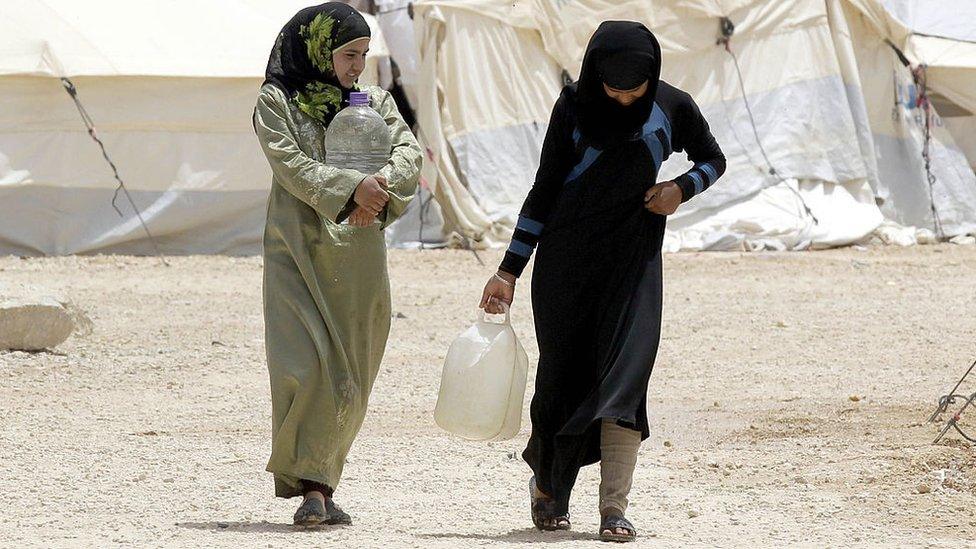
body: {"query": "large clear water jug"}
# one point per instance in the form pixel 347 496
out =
pixel 358 137
pixel 483 383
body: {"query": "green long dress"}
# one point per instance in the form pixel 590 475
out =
pixel 326 288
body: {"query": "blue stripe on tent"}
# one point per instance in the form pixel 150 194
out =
pixel 589 157
pixel 699 184
pixel 518 247
pixel 709 171
pixel 529 225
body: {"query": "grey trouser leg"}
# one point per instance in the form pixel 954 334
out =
pixel 618 446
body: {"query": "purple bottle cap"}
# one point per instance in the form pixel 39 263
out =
pixel 358 99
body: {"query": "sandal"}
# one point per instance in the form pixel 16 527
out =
pixel 311 513
pixel 611 523
pixel 336 514
pixel 542 515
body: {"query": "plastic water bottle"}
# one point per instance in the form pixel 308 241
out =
pixel 483 382
pixel 358 137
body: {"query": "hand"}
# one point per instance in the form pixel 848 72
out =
pixel 371 194
pixel 361 217
pixel 663 198
pixel 497 292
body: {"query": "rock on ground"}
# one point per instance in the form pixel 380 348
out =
pixel 32 319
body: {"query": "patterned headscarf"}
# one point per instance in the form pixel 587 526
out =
pixel 301 60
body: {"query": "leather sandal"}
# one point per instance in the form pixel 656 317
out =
pixel 543 517
pixel 609 526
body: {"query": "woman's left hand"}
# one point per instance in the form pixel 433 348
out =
pixel 663 198
pixel 361 217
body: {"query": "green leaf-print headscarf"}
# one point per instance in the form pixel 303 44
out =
pixel 301 60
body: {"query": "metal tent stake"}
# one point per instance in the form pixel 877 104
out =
pixel 946 400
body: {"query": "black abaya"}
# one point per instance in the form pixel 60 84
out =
pixel 596 288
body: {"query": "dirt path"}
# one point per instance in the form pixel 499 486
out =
pixel 787 408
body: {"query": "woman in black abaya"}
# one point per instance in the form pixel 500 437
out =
pixel 598 217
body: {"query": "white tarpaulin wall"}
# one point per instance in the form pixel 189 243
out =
pixel 171 87
pixel 945 39
pixel 831 103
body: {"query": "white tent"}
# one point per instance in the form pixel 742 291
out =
pixel 170 86
pixel 832 104
pixel 944 38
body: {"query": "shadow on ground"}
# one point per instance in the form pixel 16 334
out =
pixel 252 527
pixel 523 535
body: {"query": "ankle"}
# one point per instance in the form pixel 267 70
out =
pixel 611 512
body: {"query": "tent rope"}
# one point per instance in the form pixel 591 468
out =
pixel 919 78
pixel 918 74
pixel 90 125
pixel 727 29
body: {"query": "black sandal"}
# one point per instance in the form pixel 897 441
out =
pixel 543 516
pixel 610 524
pixel 311 513
pixel 336 514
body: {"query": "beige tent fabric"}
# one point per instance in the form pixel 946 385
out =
pixel 461 89
pixel 171 88
pixel 951 67
pixel 819 87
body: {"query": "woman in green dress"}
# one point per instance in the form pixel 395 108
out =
pixel 326 288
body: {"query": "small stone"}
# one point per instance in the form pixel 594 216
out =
pixel 923 488
pixel 401 315
pixel 693 513
pixel 854 398
pixel 222 525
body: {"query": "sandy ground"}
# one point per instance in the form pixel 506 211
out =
pixel 787 407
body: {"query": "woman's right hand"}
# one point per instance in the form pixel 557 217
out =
pixel 361 217
pixel 371 194
pixel 497 292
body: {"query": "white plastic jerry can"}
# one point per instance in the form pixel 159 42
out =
pixel 483 382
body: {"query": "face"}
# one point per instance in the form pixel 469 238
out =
pixel 349 61
pixel 626 97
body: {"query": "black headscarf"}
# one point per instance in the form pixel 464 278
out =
pixel 622 54
pixel 301 60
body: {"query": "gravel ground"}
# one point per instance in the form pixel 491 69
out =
pixel 787 408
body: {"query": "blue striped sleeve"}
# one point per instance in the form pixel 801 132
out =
pixel 709 171
pixel 529 225
pixel 520 248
